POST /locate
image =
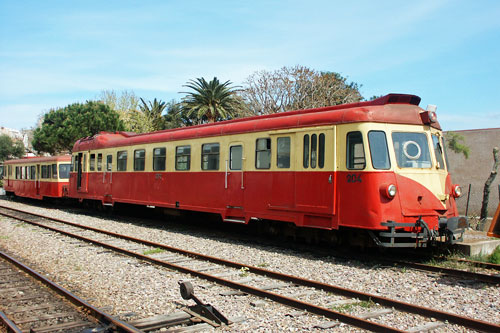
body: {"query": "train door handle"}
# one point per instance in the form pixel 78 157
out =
pixel 330 179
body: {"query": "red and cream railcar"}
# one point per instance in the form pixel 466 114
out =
pixel 37 177
pixel 378 166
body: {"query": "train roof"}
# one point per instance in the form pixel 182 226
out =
pixel 392 108
pixel 40 159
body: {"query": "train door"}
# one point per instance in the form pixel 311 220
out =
pixel 107 179
pixel 235 183
pixel 37 180
pixel 79 171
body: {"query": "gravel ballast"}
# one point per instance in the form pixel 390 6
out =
pixel 130 289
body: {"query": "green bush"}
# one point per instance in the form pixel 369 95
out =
pixel 495 256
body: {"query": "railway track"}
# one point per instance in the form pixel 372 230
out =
pixel 30 302
pixel 302 294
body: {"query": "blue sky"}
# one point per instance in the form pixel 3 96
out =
pixel 53 53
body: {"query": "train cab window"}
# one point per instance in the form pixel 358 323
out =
pixel 438 151
pixel 182 158
pixel 314 145
pixel 73 163
pixel 443 145
pixel 33 172
pixel 355 152
pixel 411 149
pixel 263 153
pixel 64 171
pixel 139 159
pixel 305 155
pixel 321 151
pixel 54 171
pixel 378 150
pixel 283 152
pixel 92 162
pixel 236 157
pixel 99 162
pixel 109 163
pixel 159 159
pixel 210 156
pixel 121 160
pixel 10 170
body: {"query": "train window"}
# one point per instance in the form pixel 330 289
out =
pixel 183 158
pixel 84 162
pixel 25 172
pixel 236 157
pixel 10 170
pixel 412 150
pixel 210 156
pixel 321 151
pixel 45 172
pixel 99 162
pixel 159 159
pixel 64 171
pixel 263 153
pixel 33 172
pixel 92 162
pixel 139 159
pixel 305 156
pixel 54 171
pixel 379 150
pixel 109 163
pixel 283 152
pixel 314 145
pixel 121 160
pixel 355 151
pixel 73 162
pixel 443 145
pixel 438 151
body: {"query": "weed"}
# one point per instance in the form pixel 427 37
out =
pixel 244 271
pixel 494 258
pixel 153 251
pixel 263 264
pixel 4 237
pixel 21 225
pixel 350 307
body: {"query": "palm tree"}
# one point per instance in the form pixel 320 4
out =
pixel 153 112
pixel 210 100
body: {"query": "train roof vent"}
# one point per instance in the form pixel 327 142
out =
pixel 397 99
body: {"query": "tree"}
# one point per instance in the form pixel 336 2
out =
pixel 10 148
pixel 456 143
pixel 126 104
pixel 487 185
pixel 211 101
pixel 293 88
pixel 61 127
pixel 176 116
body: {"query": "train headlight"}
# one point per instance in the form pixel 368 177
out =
pixel 457 191
pixel 391 191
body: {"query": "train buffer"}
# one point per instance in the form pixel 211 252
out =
pixel 205 312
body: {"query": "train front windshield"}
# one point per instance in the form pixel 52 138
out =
pixel 412 150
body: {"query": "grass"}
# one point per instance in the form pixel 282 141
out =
pixel 494 258
pixel 244 271
pixel 153 251
pixel 263 264
pixel 350 307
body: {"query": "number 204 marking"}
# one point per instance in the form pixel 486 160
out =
pixel 353 178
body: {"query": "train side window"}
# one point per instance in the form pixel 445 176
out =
pixel 182 158
pixel 33 172
pixel 84 162
pixel 54 171
pixel 438 151
pixel 321 151
pixel 263 153
pixel 25 172
pixel 45 172
pixel 10 171
pixel 99 162
pixel 314 146
pixel 139 160
pixel 378 149
pixel 355 158
pixel 92 162
pixel 109 162
pixel 64 171
pixel 236 157
pixel 17 172
pixel 305 156
pixel 159 159
pixel 121 160
pixel 73 163
pixel 210 156
pixel 283 152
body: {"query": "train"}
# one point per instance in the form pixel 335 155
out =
pixel 373 171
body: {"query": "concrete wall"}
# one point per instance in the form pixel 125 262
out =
pixel 476 169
